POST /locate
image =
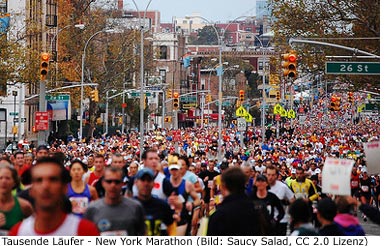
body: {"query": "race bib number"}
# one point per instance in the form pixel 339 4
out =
pixel 365 188
pixel 210 184
pixel 79 204
pixel 354 183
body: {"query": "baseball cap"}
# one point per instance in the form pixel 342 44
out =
pixel 293 170
pixel 145 171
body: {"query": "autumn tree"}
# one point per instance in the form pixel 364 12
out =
pixel 352 23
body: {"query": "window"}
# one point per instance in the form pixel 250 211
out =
pixel 260 65
pixel 51 17
pixel 163 52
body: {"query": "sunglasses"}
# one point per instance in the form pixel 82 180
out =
pixel 115 181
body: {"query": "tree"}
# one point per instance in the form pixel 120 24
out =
pixel 111 59
pixel 206 36
pixel 352 23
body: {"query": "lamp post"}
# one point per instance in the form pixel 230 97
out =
pixel 123 107
pixel 263 89
pixel 220 75
pixel 107 98
pixel 14 94
pixel 141 124
pixel 82 80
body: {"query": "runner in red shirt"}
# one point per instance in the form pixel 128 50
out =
pixel 49 184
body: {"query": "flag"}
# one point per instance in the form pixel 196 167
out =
pixel 4 22
pixel 219 70
pixel 186 60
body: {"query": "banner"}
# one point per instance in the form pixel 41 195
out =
pixel 372 154
pixel 4 22
pixel 336 176
pixel 59 107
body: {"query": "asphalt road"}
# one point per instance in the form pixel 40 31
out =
pixel 370 228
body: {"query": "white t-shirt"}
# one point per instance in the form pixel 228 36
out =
pixel 283 192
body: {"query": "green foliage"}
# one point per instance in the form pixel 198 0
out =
pixel 206 36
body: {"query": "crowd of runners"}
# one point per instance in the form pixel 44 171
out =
pixel 187 183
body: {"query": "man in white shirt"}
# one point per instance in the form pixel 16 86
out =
pixel 283 192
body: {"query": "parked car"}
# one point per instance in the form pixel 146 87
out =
pixel 13 147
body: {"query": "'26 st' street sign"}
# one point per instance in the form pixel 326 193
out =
pixel 358 68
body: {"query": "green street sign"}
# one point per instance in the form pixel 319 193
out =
pixel 57 97
pixel 134 94
pixel 137 94
pixel 188 99
pixel 358 68
pixel 13 113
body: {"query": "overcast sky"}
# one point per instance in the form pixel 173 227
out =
pixel 214 10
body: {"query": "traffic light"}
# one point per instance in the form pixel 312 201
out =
pixel 44 65
pixel 241 96
pixel 95 95
pixel 169 93
pixel 350 97
pixel 208 98
pixel 289 64
pixel 278 96
pixel 175 101
pixel 335 103
pixel 145 101
pixel 338 104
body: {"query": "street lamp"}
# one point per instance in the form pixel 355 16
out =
pixel 123 106
pixel 107 98
pixel 141 124
pixel 82 81
pixel 220 74
pixel 14 129
pixel 263 89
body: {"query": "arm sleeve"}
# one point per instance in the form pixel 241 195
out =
pixel 278 205
pixel 313 195
pixel 167 187
pixel 14 230
pixel 87 228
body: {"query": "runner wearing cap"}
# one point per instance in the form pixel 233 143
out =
pixel 182 189
pixel 157 211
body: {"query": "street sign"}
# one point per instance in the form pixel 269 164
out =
pixel 137 94
pixel 241 112
pixel 241 124
pixel 57 97
pixel 291 114
pixel 23 120
pixel 248 117
pixel 359 68
pixel 188 99
pixel 13 113
pixel 277 108
pixel 283 112
pixel 41 121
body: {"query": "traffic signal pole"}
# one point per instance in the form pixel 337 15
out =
pixel 42 108
pixel 44 68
